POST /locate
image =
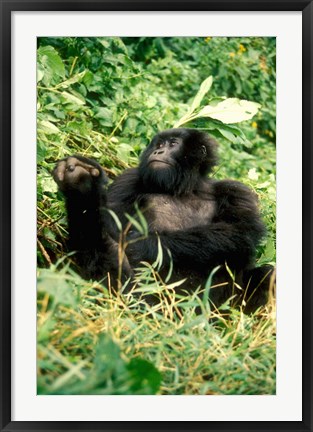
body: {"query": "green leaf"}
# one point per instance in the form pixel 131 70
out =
pixel 57 286
pixel 207 289
pixel 269 252
pixel 145 378
pixel 50 64
pixel 74 79
pixel 233 136
pixel 48 184
pixel 45 330
pixel 40 74
pixel 204 88
pixel 230 110
pixel 108 355
pixel 123 151
pixel 136 224
pixel 80 127
pixel 111 374
pixel 42 151
pixel 227 134
pixel 116 220
pixel 150 101
pixel 104 42
pixel 47 127
pixel 73 99
pixel 104 116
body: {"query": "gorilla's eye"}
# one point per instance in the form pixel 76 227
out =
pixel 173 142
pixel 159 145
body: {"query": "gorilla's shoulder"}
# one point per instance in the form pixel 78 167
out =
pixel 233 189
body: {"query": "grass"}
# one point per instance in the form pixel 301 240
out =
pixel 93 342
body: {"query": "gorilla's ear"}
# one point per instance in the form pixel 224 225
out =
pixel 208 150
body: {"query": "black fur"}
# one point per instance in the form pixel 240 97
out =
pixel 203 222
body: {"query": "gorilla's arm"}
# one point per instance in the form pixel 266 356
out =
pixel 231 236
pixel 82 182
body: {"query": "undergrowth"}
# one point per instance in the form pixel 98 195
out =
pixel 93 341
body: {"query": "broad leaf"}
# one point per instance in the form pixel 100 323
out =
pixel 47 127
pixel 231 110
pixel 40 74
pixel 74 79
pixel 204 88
pixel 50 64
pixel 73 99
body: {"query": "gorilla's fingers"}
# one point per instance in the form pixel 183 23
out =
pixel 78 163
pixel 95 172
pixel 58 172
pixel 74 174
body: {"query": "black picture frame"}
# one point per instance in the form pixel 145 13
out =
pixel 7 7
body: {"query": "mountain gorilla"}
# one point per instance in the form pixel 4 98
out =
pixel 201 223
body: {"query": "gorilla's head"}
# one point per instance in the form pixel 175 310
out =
pixel 176 159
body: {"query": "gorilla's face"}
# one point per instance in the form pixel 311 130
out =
pixel 164 152
pixel 175 160
pixel 161 163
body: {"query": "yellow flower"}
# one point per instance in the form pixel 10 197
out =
pixel 254 125
pixel 242 48
pixel 207 39
pixel 269 133
pixel 232 54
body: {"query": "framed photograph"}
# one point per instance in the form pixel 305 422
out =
pixel 148 280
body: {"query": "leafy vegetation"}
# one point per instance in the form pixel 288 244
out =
pixel 105 98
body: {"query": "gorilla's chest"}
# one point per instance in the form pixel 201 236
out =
pixel 167 213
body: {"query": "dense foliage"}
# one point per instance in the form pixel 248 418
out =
pixel 106 98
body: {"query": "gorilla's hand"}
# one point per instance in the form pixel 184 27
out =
pixel 77 173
